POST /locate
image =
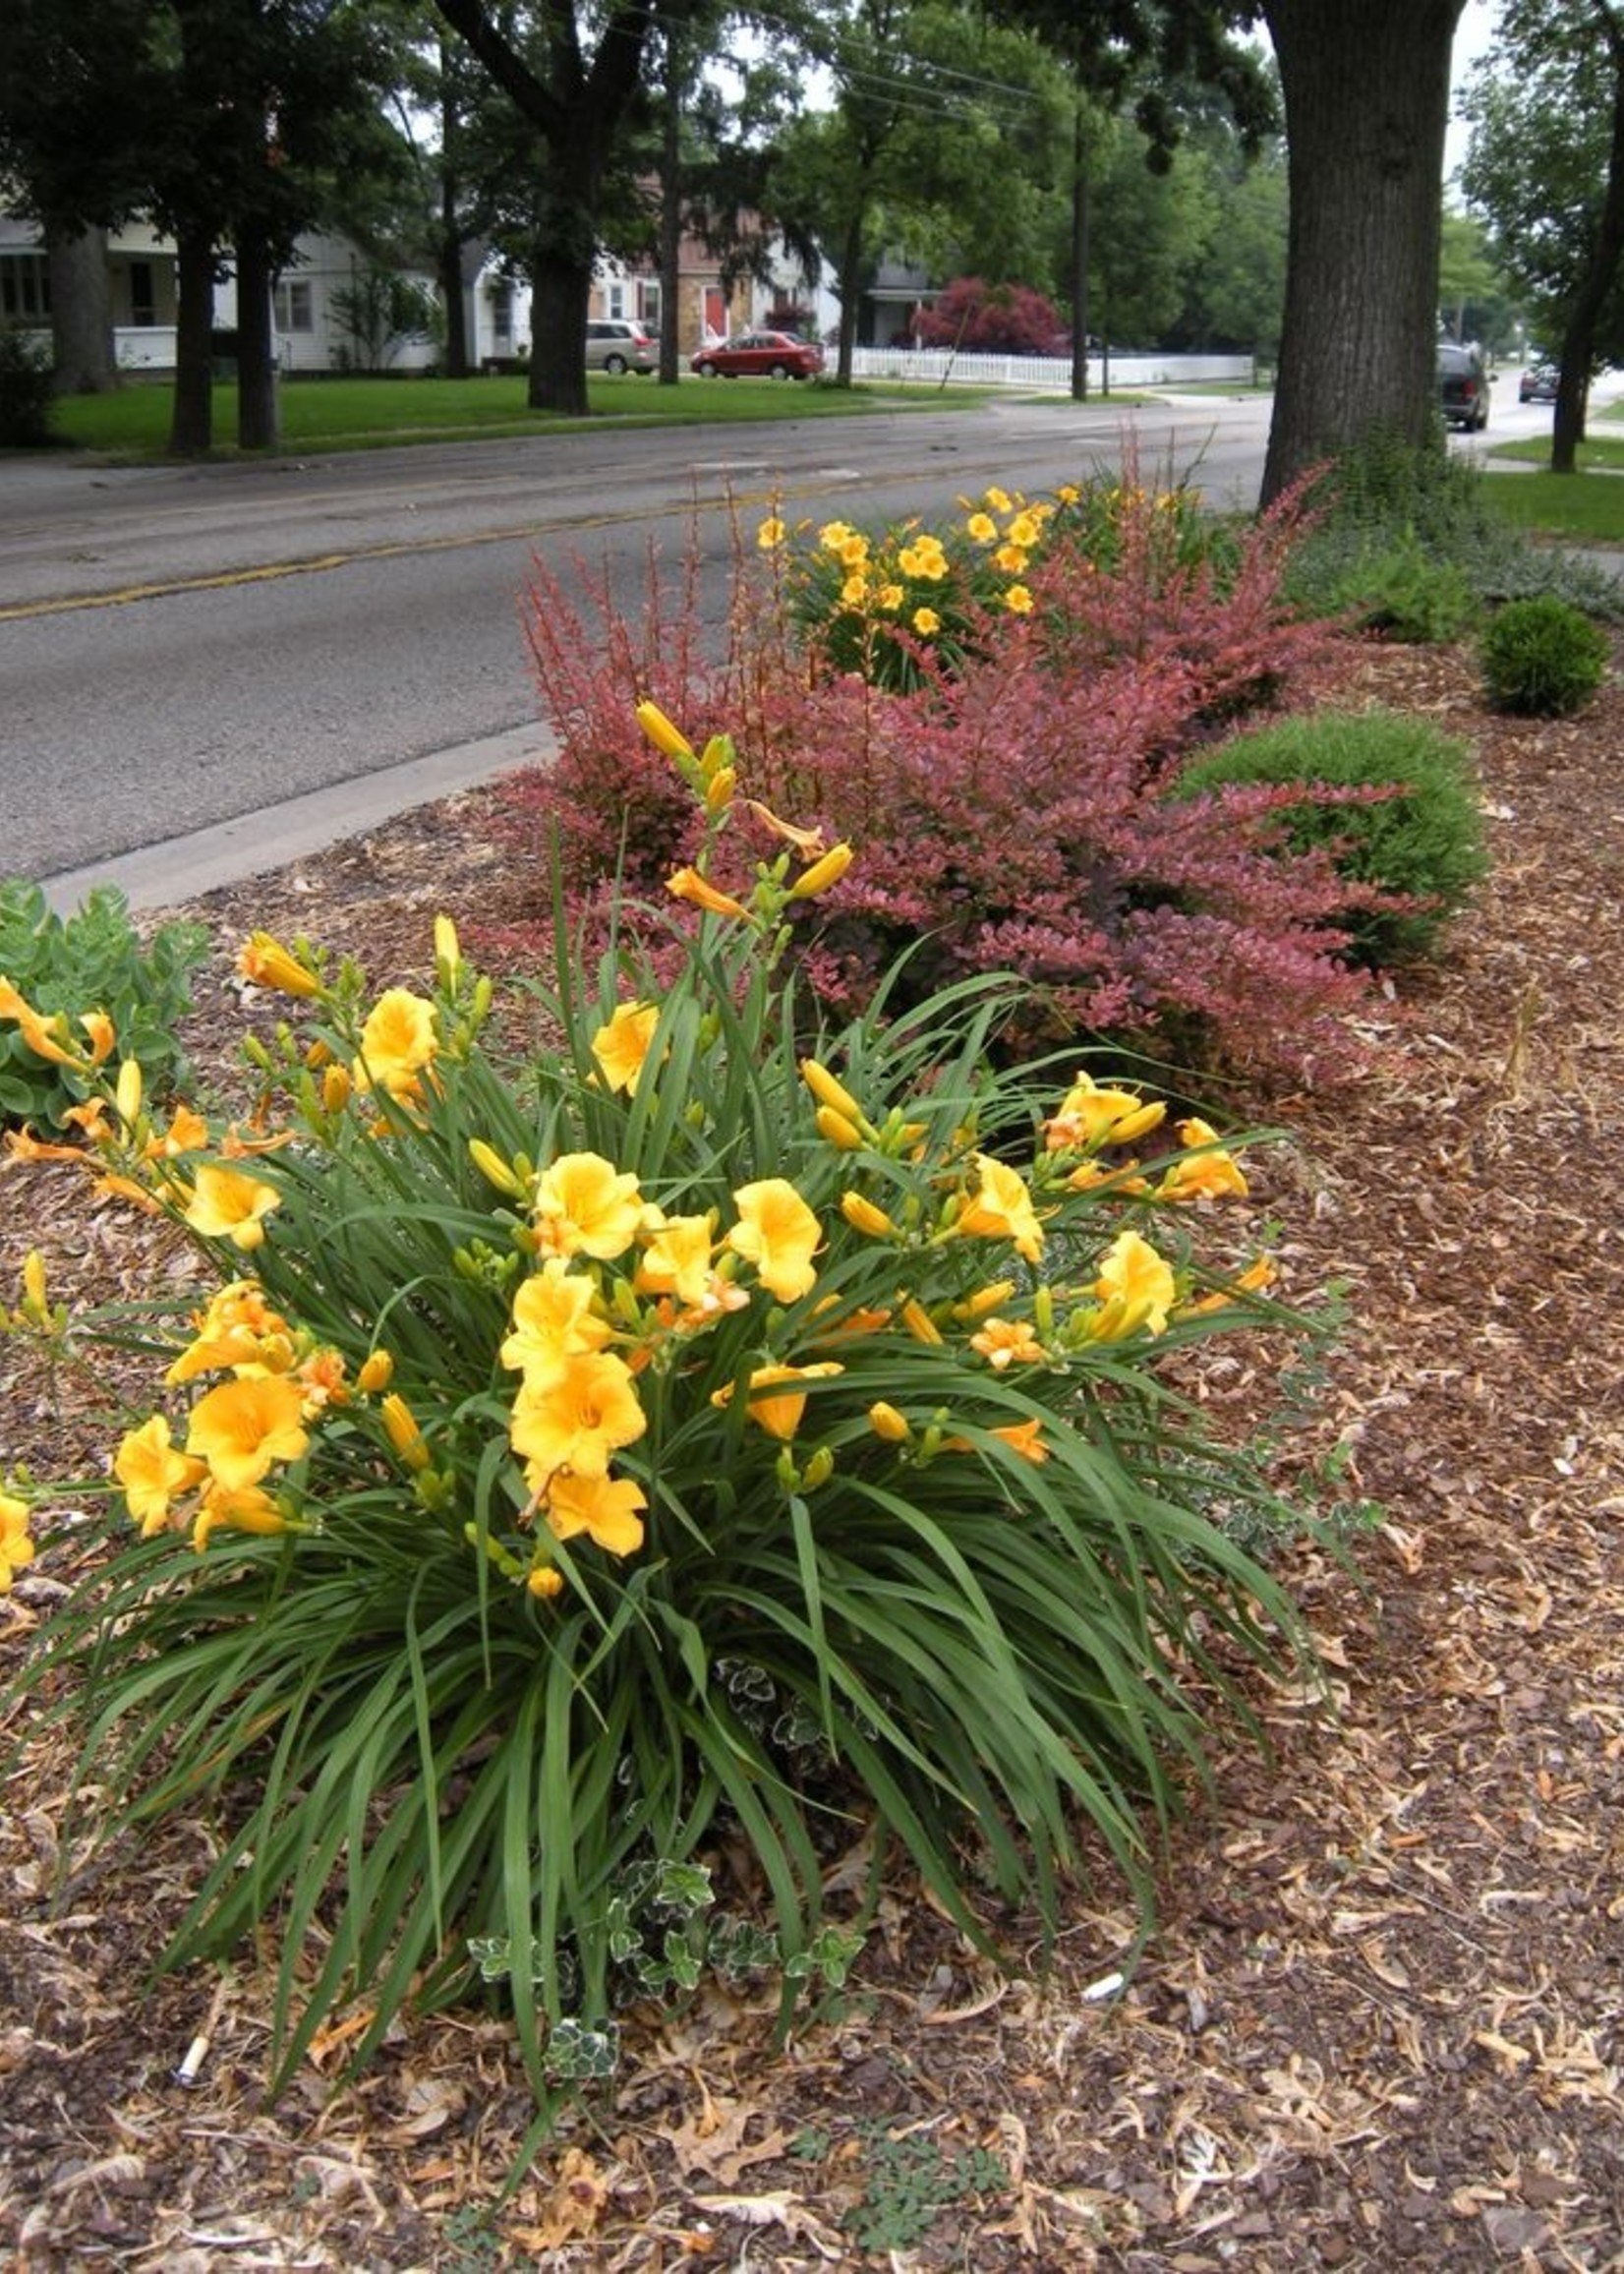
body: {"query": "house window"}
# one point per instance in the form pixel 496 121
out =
pixel 615 295
pixel 648 295
pixel 25 289
pixel 502 314
pixel 292 306
pixel 143 298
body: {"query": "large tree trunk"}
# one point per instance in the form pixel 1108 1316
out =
pixel 449 250
pixel 1578 352
pixel 1367 93
pixel 82 314
pixel 191 422
pixel 561 263
pixel 1079 255
pixel 256 415
pixel 849 284
pixel 670 211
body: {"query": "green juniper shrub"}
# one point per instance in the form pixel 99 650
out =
pixel 1422 848
pixel 1542 657
pixel 94 956
pixel 1405 594
pixel 24 392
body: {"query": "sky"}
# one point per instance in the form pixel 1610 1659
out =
pixel 1474 36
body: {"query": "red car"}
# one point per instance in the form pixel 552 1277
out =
pixel 759 355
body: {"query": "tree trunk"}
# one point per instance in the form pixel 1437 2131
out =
pixel 257 410
pixel 1366 92
pixel 671 212
pixel 1080 259
pixel 191 422
pixel 1573 379
pixel 449 248
pixel 848 284
pixel 559 289
pixel 82 314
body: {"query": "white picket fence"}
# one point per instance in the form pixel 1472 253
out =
pixel 1045 374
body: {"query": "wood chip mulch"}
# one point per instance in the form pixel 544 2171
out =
pixel 1380 2022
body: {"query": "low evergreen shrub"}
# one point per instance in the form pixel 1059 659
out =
pixel 1542 657
pixel 1408 821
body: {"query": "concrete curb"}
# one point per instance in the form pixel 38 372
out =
pixel 157 876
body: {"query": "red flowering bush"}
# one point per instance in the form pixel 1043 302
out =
pixel 1014 800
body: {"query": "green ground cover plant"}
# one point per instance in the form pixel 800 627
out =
pixel 1400 533
pixel 52 967
pixel 703 1438
pixel 351 414
pixel 26 406
pixel 1412 828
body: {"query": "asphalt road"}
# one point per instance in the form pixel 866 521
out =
pixel 186 648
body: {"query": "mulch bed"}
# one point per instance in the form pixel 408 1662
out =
pixel 1380 2022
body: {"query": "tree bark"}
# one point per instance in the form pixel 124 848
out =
pixel 1578 352
pixel 1366 92
pixel 848 283
pixel 82 313
pixel 191 421
pixel 449 250
pixel 1078 250
pixel 670 210
pixel 257 425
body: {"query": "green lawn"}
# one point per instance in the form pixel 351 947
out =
pixel 351 414
pixel 1585 508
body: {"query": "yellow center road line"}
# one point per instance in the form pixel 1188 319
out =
pixel 318 563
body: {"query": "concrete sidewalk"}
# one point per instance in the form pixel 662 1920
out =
pixel 157 876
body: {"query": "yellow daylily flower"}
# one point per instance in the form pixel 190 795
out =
pixel 775 1398
pixel 925 621
pixel 238 1508
pixel 584 1411
pixel 661 734
pixel 983 528
pixel 822 873
pixel 604 1508
pixel 401 1428
pixel 1133 1274
pixel 771 533
pixel 1017 600
pixel 242 1427
pixel 1001 1208
pixel 375 1372
pixel 264 961
pixel 886 1422
pixel 779 1234
pixel 227 1205
pixel 1212 1174
pixel 621 1044
pixel 16 1547
pixel 1006 1342
pixel 1024 1438
pixel 676 1260
pixel 808 842
pixel 586 1207
pixel 688 885
pixel 1089 1115
pixel 866 1218
pixel 397 1042
pixel 553 1319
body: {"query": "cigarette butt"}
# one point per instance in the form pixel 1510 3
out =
pixel 197 2052
pixel 1106 1987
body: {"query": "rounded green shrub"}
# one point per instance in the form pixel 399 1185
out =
pixel 1422 848
pixel 25 390
pixel 1541 659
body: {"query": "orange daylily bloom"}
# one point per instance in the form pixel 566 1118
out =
pixel 688 885
pixel 242 1426
pixel 604 1507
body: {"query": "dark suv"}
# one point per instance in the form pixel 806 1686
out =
pixel 1462 388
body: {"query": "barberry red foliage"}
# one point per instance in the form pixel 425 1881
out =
pixel 1009 814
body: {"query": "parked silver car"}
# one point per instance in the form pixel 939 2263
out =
pixel 616 346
